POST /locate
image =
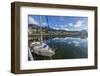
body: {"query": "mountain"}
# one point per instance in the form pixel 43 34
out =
pixel 34 26
pixel 58 32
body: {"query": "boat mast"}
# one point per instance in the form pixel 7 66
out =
pixel 47 21
pixel 49 30
pixel 41 36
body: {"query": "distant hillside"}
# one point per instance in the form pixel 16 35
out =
pixel 54 32
pixel 34 26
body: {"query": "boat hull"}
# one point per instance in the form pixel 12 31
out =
pixel 39 49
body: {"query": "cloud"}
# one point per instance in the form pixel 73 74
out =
pixel 79 24
pixel 44 24
pixel 70 24
pixel 56 25
pixel 76 43
pixel 56 28
pixel 60 27
pixel 65 29
pixel 32 21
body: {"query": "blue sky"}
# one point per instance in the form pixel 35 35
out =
pixel 68 23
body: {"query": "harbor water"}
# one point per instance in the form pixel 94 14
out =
pixel 66 48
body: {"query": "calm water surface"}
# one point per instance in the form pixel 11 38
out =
pixel 67 48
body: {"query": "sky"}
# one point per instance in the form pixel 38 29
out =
pixel 68 23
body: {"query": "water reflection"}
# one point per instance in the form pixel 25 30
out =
pixel 69 47
pixel 66 48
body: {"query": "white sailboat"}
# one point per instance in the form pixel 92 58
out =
pixel 40 47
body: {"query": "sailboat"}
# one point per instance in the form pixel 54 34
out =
pixel 40 47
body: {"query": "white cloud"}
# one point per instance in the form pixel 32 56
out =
pixel 76 43
pixel 65 26
pixel 60 27
pixel 70 24
pixel 79 24
pixel 56 28
pixel 66 29
pixel 44 24
pixel 32 21
pixel 56 25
